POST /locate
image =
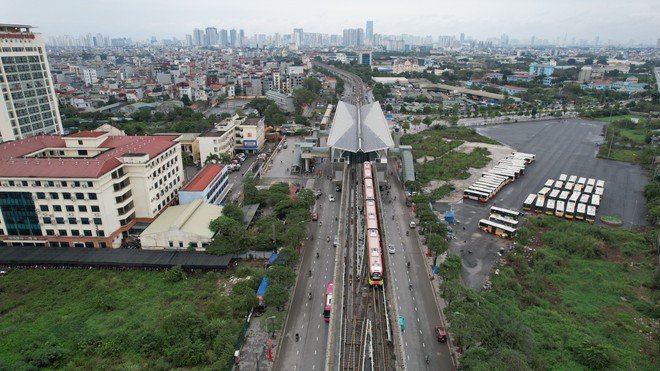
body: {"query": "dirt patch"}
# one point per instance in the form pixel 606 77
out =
pixel 227 285
pixel 497 152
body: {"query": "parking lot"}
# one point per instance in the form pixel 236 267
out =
pixel 568 147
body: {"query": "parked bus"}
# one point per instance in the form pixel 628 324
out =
pixel 487 175
pixel 529 202
pixel 491 192
pixel 578 188
pixel 599 191
pixel 591 214
pixel 595 201
pixel 563 177
pixel 588 189
pixel 510 177
pixel 564 195
pixel 496 228
pixel 476 195
pixel 559 208
pixel 328 301
pixel 582 180
pixel 554 194
pixel 549 183
pixel 516 170
pixel 572 179
pixel 600 184
pixel 550 207
pixel 569 186
pixel 504 221
pixel 584 199
pixel 528 157
pixel 511 214
pixel 543 192
pixel 591 182
pixel 581 211
pixel 559 184
pixel 570 210
pixel 494 183
pixel 538 206
pixel 575 197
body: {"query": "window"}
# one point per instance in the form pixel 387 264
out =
pixel 92 196
pixel 75 232
pixel 82 208
pixel 70 208
pixel 57 208
pixel 59 220
pixel 97 221
pixel 50 232
pixel 180 243
pixel 90 184
pixel 84 220
pixel 66 195
pixel 54 195
pixel 62 232
pixel 63 184
pixel 95 209
pixel 171 244
pixel 87 233
pixel 41 195
pixel 47 220
pixel 76 184
pixel 80 142
pixel 43 207
pixel 73 221
pixel 80 196
pixel 100 234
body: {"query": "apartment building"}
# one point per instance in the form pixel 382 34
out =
pixel 28 104
pixel 87 189
pixel 237 133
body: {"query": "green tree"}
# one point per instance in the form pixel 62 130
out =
pixel 276 295
pixel 281 275
pixel 186 100
pixel 250 192
pixel 303 97
pixel 233 211
pixel 260 104
pixel 312 84
pixel 300 120
pixel 230 237
pixel 451 268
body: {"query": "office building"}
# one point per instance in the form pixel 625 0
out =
pixel 232 38
pixel 236 133
pixel 370 32
pixel 353 37
pixel 545 69
pixel 87 189
pixel 298 37
pixel 241 38
pixel 364 58
pixel 28 104
pixel 224 38
pixel 211 36
pixel 198 37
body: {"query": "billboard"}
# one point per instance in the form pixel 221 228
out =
pixel 249 144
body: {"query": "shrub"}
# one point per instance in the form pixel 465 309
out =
pixel 175 274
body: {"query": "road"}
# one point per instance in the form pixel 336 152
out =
pixel 305 316
pixel 417 306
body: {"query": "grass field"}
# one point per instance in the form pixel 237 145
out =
pixel 615 118
pixel 104 319
pixel 583 297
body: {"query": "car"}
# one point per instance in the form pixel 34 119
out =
pixel 315 216
pixel 337 188
pixel 441 334
pixel 331 198
pixel 390 248
pixel 318 193
pixel 413 225
pixel 336 242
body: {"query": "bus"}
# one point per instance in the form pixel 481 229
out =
pixel 559 184
pixel 510 177
pixel 543 192
pixel 575 197
pixel 554 194
pixel 328 301
pixel 572 179
pixel 529 202
pixel 595 201
pixel 570 210
pixel 591 182
pixel 584 199
pixel 581 211
pixel 495 183
pixel 490 176
pixel 491 192
pixel 569 186
pixel 496 228
pixel 588 189
pixel 564 195
pixel 559 208
pixel 504 221
pixel 511 214
pixel 582 180
pixel 550 207
pixel 538 206
pixel 578 188
pixel 600 184
pixel 476 195
pixel 549 183
pixel 591 214
pixel 599 191
pixel 516 170
pixel 563 177
pixel 528 157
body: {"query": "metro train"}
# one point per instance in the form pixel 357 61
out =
pixel 375 260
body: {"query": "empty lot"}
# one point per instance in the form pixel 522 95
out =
pixel 568 147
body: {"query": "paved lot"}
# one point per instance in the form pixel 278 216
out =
pixel 568 147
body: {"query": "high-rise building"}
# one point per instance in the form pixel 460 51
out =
pixel 241 38
pixel 298 36
pixel 224 39
pixel 353 37
pixel 198 37
pixel 370 31
pixel 28 104
pixel 211 36
pixel 232 38
pixel 189 40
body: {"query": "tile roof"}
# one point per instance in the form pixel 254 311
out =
pixel 13 164
pixel 203 178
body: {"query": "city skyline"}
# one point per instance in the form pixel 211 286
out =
pixel 615 22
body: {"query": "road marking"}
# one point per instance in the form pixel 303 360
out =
pixel 423 345
pixel 418 321
pixel 314 352
pixel 319 326
pixel 297 352
pixel 420 332
pixel 406 343
pixel 317 338
pixel 313 367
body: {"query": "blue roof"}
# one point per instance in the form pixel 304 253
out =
pixel 272 258
pixel 261 291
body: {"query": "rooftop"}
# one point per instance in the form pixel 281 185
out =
pixel 203 178
pixel 87 134
pixel 193 218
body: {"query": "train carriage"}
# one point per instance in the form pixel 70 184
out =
pixel 375 257
pixel 372 215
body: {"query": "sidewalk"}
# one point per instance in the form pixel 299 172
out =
pixel 253 351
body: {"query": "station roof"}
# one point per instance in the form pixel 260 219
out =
pixel 359 128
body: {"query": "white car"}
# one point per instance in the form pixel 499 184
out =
pixel 331 198
pixel 390 248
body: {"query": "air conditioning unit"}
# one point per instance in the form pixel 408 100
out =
pixel 74 199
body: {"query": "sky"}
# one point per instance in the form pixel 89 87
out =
pixel 617 20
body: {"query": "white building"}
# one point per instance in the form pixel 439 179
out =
pixel 180 227
pixel 237 133
pixel 405 65
pixel 89 76
pixel 87 189
pixel 28 104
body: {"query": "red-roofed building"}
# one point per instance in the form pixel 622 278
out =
pixel 87 189
pixel 210 185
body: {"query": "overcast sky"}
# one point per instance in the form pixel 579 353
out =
pixel 618 20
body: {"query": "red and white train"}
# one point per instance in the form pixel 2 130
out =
pixel 328 301
pixel 373 236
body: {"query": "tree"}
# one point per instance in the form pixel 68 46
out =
pixel 451 267
pixel 230 237
pixel 312 84
pixel 303 97
pixel 186 100
pixel 250 192
pixel 427 120
pixel 453 120
pixel 437 243
pixel 233 211
pixel 276 295
pixel 300 120
pixel 571 61
pixel 260 104
pixel 281 275
pixel 112 100
pixel 389 107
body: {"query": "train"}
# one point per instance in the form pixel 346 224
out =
pixel 375 259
